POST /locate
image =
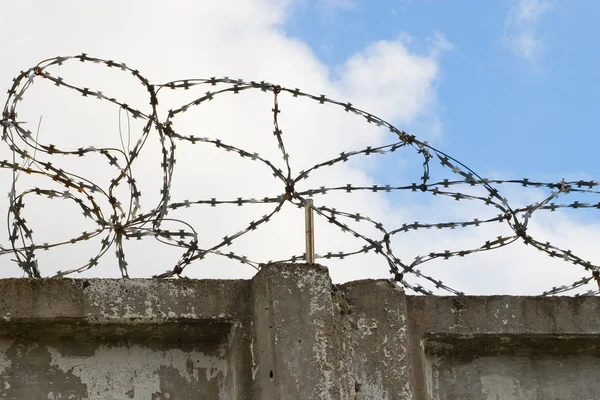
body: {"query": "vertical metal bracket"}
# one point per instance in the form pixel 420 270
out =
pixel 310 231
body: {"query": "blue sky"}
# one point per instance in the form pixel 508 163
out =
pixel 534 115
pixel 508 87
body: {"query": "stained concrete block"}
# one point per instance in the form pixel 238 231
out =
pixel 289 334
pixel 377 339
pixel 519 367
pixel 503 347
pixel 123 339
pixel 504 314
pixel 295 346
pixel 122 300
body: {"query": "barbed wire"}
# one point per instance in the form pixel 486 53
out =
pixel 126 221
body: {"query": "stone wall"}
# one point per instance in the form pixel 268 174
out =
pixel 289 334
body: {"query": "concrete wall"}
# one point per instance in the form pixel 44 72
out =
pixel 289 334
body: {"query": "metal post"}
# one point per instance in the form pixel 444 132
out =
pixel 310 231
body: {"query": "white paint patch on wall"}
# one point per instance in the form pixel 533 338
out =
pixel 4 361
pixel 374 389
pixel 113 371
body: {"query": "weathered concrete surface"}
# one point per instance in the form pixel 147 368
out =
pixel 289 334
pixel 376 339
pixel 502 347
pixel 294 348
pixel 315 341
pixel 123 339
pixel 511 367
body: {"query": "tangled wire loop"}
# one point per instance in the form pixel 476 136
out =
pixel 127 222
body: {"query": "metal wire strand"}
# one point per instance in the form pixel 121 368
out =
pixel 127 221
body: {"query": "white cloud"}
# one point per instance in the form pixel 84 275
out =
pixel 514 269
pixel 522 34
pixel 203 39
pixel 190 39
pixel 381 75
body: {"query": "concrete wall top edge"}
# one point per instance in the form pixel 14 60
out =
pixel 171 300
pixel 139 300
pixel 504 314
